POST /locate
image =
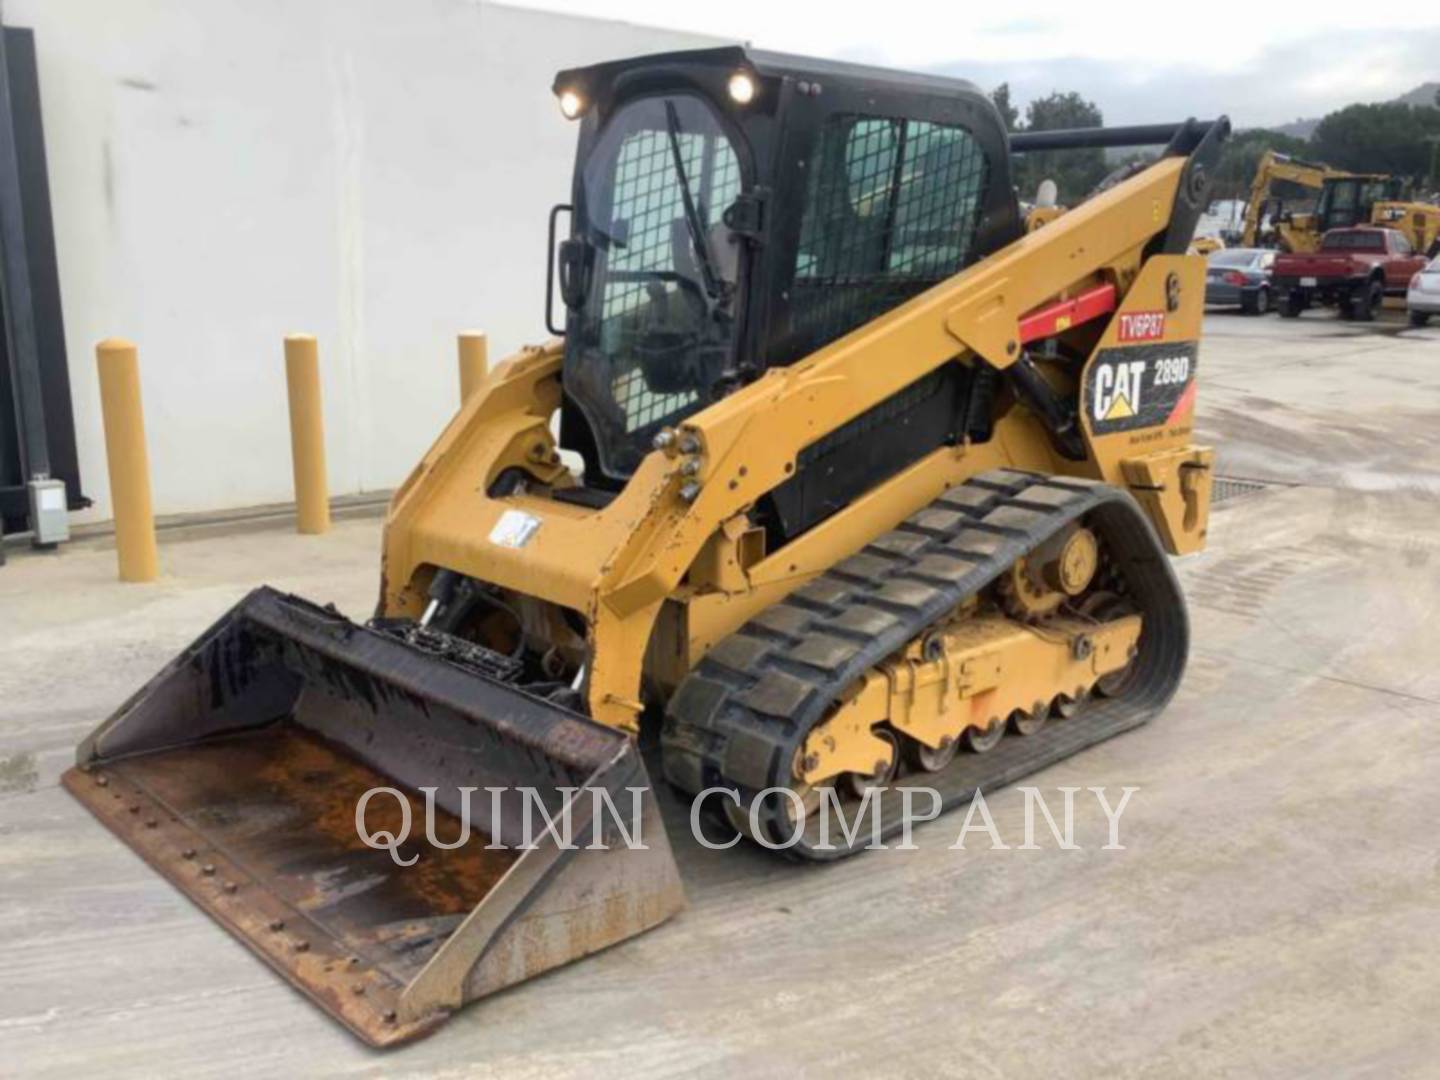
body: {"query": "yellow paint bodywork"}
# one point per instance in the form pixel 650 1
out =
pixel 987 668
pixel 651 550
pixel 1272 167
pixel 1419 222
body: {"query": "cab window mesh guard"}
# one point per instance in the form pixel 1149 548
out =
pixel 647 197
pixel 892 209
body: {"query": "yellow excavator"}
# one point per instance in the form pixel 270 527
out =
pixel 1290 229
pixel 1343 199
pixel 870 488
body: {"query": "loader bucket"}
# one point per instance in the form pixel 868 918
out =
pixel 236 773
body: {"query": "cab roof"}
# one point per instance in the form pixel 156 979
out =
pixel 596 78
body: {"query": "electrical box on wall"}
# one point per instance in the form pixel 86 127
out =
pixel 49 516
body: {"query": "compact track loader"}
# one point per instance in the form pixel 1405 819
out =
pixel 870 488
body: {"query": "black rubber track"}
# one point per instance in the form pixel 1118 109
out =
pixel 741 714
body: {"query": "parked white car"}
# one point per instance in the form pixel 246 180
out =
pixel 1423 299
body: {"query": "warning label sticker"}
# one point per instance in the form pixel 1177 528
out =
pixel 514 529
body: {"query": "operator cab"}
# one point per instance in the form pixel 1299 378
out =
pixel 1350 200
pixel 735 210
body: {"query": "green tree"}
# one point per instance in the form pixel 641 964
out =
pixel 1075 172
pixel 1008 112
pixel 1389 138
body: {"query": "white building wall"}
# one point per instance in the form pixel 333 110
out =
pixel 375 172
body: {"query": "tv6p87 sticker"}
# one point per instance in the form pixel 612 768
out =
pixel 1140 386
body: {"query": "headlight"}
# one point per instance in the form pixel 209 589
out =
pixel 742 88
pixel 571 104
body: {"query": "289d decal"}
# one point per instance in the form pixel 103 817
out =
pixel 1140 386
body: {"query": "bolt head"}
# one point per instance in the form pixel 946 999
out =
pixel 276 925
pixel 690 492
pixel 302 946
pixel 230 887
pixel 208 869
pixel 188 853
pixel 689 444
pixel 663 440
pixel 691 467
pixel 358 989
pixel 102 781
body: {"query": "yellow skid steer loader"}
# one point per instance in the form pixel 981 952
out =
pixel 875 488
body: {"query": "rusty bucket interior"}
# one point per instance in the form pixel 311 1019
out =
pixel 238 770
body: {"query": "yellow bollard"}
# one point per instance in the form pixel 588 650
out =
pixel 129 464
pixel 307 434
pixel 474 362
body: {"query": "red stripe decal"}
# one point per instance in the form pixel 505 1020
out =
pixel 1184 405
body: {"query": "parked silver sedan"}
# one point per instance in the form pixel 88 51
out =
pixel 1423 299
pixel 1240 277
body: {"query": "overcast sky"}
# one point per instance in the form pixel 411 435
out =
pixel 1262 63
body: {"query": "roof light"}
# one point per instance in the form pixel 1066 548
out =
pixel 571 104
pixel 742 88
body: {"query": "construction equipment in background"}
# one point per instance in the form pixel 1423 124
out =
pixel 1348 200
pixel 875 485
pixel 1274 168
pixel 1418 222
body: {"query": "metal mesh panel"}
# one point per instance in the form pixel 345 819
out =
pixel 1225 488
pixel 647 197
pixel 891 210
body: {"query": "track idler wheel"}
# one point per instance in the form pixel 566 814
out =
pixel 1105 606
pixel 978 740
pixel 1028 723
pixel 931 759
pixel 1067 707
pixel 885 769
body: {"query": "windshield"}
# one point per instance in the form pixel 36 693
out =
pixel 652 340
pixel 1347 201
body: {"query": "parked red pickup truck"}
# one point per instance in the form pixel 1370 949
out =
pixel 1355 269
